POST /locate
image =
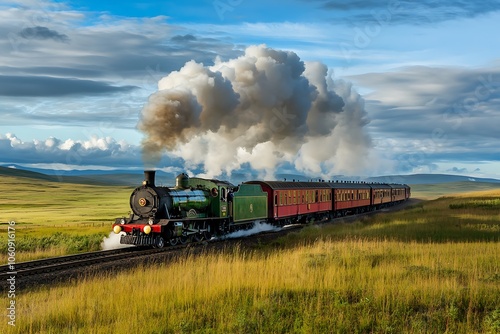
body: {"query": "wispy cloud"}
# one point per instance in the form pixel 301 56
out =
pixel 404 12
pixel 43 33
pixel 450 114
pixel 84 68
pixel 49 86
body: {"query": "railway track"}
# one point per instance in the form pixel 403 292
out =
pixel 51 265
pixel 28 268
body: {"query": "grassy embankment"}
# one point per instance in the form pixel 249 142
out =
pixel 54 218
pixel 432 268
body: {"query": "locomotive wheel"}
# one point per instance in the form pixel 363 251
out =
pixel 183 240
pixel 207 235
pixel 174 241
pixel 160 242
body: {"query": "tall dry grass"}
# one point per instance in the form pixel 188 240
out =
pixel 432 268
pixel 356 285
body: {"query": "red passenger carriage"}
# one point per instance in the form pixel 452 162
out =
pixel 381 195
pixel 399 192
pixel 290 202
pixel 351 197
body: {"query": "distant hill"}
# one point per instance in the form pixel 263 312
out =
pixel 24 173
pixel 428 179
pixel 120 179
pixel 134 178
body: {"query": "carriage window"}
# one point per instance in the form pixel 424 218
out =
pixel 275 199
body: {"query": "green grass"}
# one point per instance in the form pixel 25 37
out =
pixel 479 203
pixel 54 218
pixel 431 268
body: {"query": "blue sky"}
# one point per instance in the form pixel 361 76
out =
pixel 75 76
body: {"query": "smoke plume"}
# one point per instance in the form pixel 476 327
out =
pixel 262 109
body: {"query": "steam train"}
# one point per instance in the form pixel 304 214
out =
pixel 197 208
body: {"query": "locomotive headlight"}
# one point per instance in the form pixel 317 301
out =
pixel 151 221
pixel 117 229
pixel 122 221
pixel 147 229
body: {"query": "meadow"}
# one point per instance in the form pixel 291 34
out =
pixel 430 268
pixel 55 218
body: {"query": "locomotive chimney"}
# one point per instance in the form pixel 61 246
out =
pixel 149 178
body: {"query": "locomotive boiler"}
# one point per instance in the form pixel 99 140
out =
pixel 152 202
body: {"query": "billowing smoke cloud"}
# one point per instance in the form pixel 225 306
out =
pixel 263 108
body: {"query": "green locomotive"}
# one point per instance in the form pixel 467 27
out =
pixel 195 209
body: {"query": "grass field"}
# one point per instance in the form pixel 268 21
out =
pixel 431 268
pixel 54 218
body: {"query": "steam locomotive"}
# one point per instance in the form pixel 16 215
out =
pixel 197 208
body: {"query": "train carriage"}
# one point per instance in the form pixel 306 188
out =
pixel 407 191
pixel 290 202
pixel 381 195
pixel 350 197
pixel 398 193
